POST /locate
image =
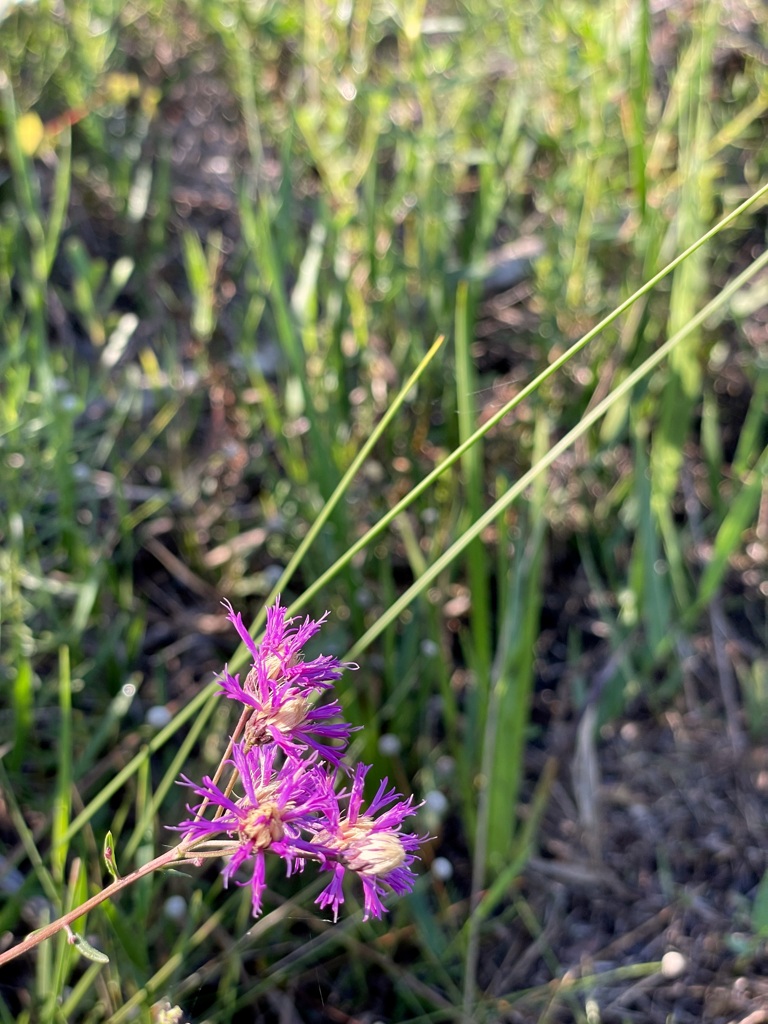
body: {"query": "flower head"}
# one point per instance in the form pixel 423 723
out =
pixel 277 805
pixel 278 658
pixel 280 686
pixel 284 714
pixel 281 797
pixel 369 843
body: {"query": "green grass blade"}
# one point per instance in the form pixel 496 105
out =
pixel 23 712
pixel 62 801
pixel 478 575
pixel 741 513
pixel 589 419
pixel 530 388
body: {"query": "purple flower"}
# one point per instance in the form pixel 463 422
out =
pixel 283 714
pixel 279 689
pixel 281 798
pixel 373 847
pixel 279 656
pixel 278 804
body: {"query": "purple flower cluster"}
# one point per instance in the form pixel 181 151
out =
pixel 285 799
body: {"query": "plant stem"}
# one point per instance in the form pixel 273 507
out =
pixel 178 853
pixel 181 853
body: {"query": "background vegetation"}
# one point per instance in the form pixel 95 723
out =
pixel 230 233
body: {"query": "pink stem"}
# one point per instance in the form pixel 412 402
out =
pixel 178 853
pixel 169 857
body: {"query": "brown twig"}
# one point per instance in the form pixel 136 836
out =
pixel 177 854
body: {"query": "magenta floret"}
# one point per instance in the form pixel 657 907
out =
pixel 369 843
pixel 279 806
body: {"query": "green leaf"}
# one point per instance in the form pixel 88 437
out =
pixel 109 856
pixel 86 950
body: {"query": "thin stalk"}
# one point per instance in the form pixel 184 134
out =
pixel 529 389
pixel 184 853
pixel 179 854
pixel 337 495
pixel 514 492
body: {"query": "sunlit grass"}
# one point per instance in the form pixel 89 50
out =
pixel 211 376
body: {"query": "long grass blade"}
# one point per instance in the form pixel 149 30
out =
pixel 555 451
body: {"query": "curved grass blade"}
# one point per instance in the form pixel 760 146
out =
pixel 555 451
pixel 524 393
pixel 337 495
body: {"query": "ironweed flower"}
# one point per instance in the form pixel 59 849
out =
pixel 372 847
pixel 279 803
pixel 283 714
pixel 282 798
pixel 280 685
pixel 278 656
